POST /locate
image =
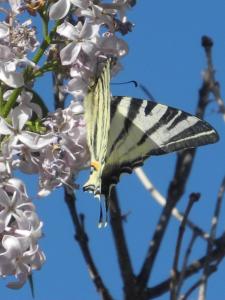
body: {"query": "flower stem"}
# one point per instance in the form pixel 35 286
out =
pixel 1 97
pixel 10 103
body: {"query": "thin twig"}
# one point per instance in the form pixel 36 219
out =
pixel 210 75
pixel 147 92
pixel 173 289
pixel 175 191
pixel 161 200
pixel 214 223
pixel 185 262
pixel 215 256
pixel 82 239
pixel 218 98
pixel 196 285
pixel 59 96
pixel 116 221
pixel 190 290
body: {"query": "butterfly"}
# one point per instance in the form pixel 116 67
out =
pixel 123 131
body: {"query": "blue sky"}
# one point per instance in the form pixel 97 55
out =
pixel 165 56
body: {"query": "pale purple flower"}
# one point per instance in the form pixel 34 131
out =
pixel 20 230
pixel 12 250
pixel 98 15
pixel 121 6
pixel 113 46
pixel 77 87
pixel 19 258
pixel 15 42
pixel 61 8
pixel 4 30
pixel 64 159
pixel 16 5
pixel 12 209
pixel 23 38
pixel 15 206
pixel 24 100
pixel 85 37
pixel 17 135
pixel 6 159
pixel 8 67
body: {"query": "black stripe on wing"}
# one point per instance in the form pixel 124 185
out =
pixel 169 115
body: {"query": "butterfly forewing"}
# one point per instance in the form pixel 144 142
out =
pixel 141 128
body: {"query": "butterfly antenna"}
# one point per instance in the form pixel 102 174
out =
pixel 146 91
pixel 141 86
pixel 126 82
pixel 100 221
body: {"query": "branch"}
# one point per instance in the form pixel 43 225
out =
pixel 185 262
pixel 175 282
pixel 214 223
pixel 196 285
pixel 176 190
pixel 210 75
pixel 82 239
pixel 193 268
pixel 161 200
pixel 116 221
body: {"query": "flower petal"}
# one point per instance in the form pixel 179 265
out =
pixel 4 30
pixel 12 247
pixel 22 275
pixel 59 9
pixel 4 199
pixel 35 141
pixel 81 3
pixel 5 53
pixel 89 30
pixel 12 79
pixel 5 128
pixel 69 53
pixel 20 117
pixel 67 30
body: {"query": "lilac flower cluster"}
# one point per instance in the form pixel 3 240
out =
pixel 85 33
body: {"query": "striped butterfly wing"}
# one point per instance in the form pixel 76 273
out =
pixel 141 128
pixel 97 118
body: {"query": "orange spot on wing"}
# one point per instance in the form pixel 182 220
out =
pixel 96 165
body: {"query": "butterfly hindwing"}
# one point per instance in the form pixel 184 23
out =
pixel 141 128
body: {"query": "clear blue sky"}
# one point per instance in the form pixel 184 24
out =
pixel 165 56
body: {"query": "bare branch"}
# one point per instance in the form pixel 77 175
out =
pixel 82 240
pixel 218 98
pixel 196 285
pixel 185 262
pixel 174 282
pixel 215 256
pixel 209 75
pixel 116 221
pixel 190 290
pixel 214 223
pixel 161 200
pixel 176 190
